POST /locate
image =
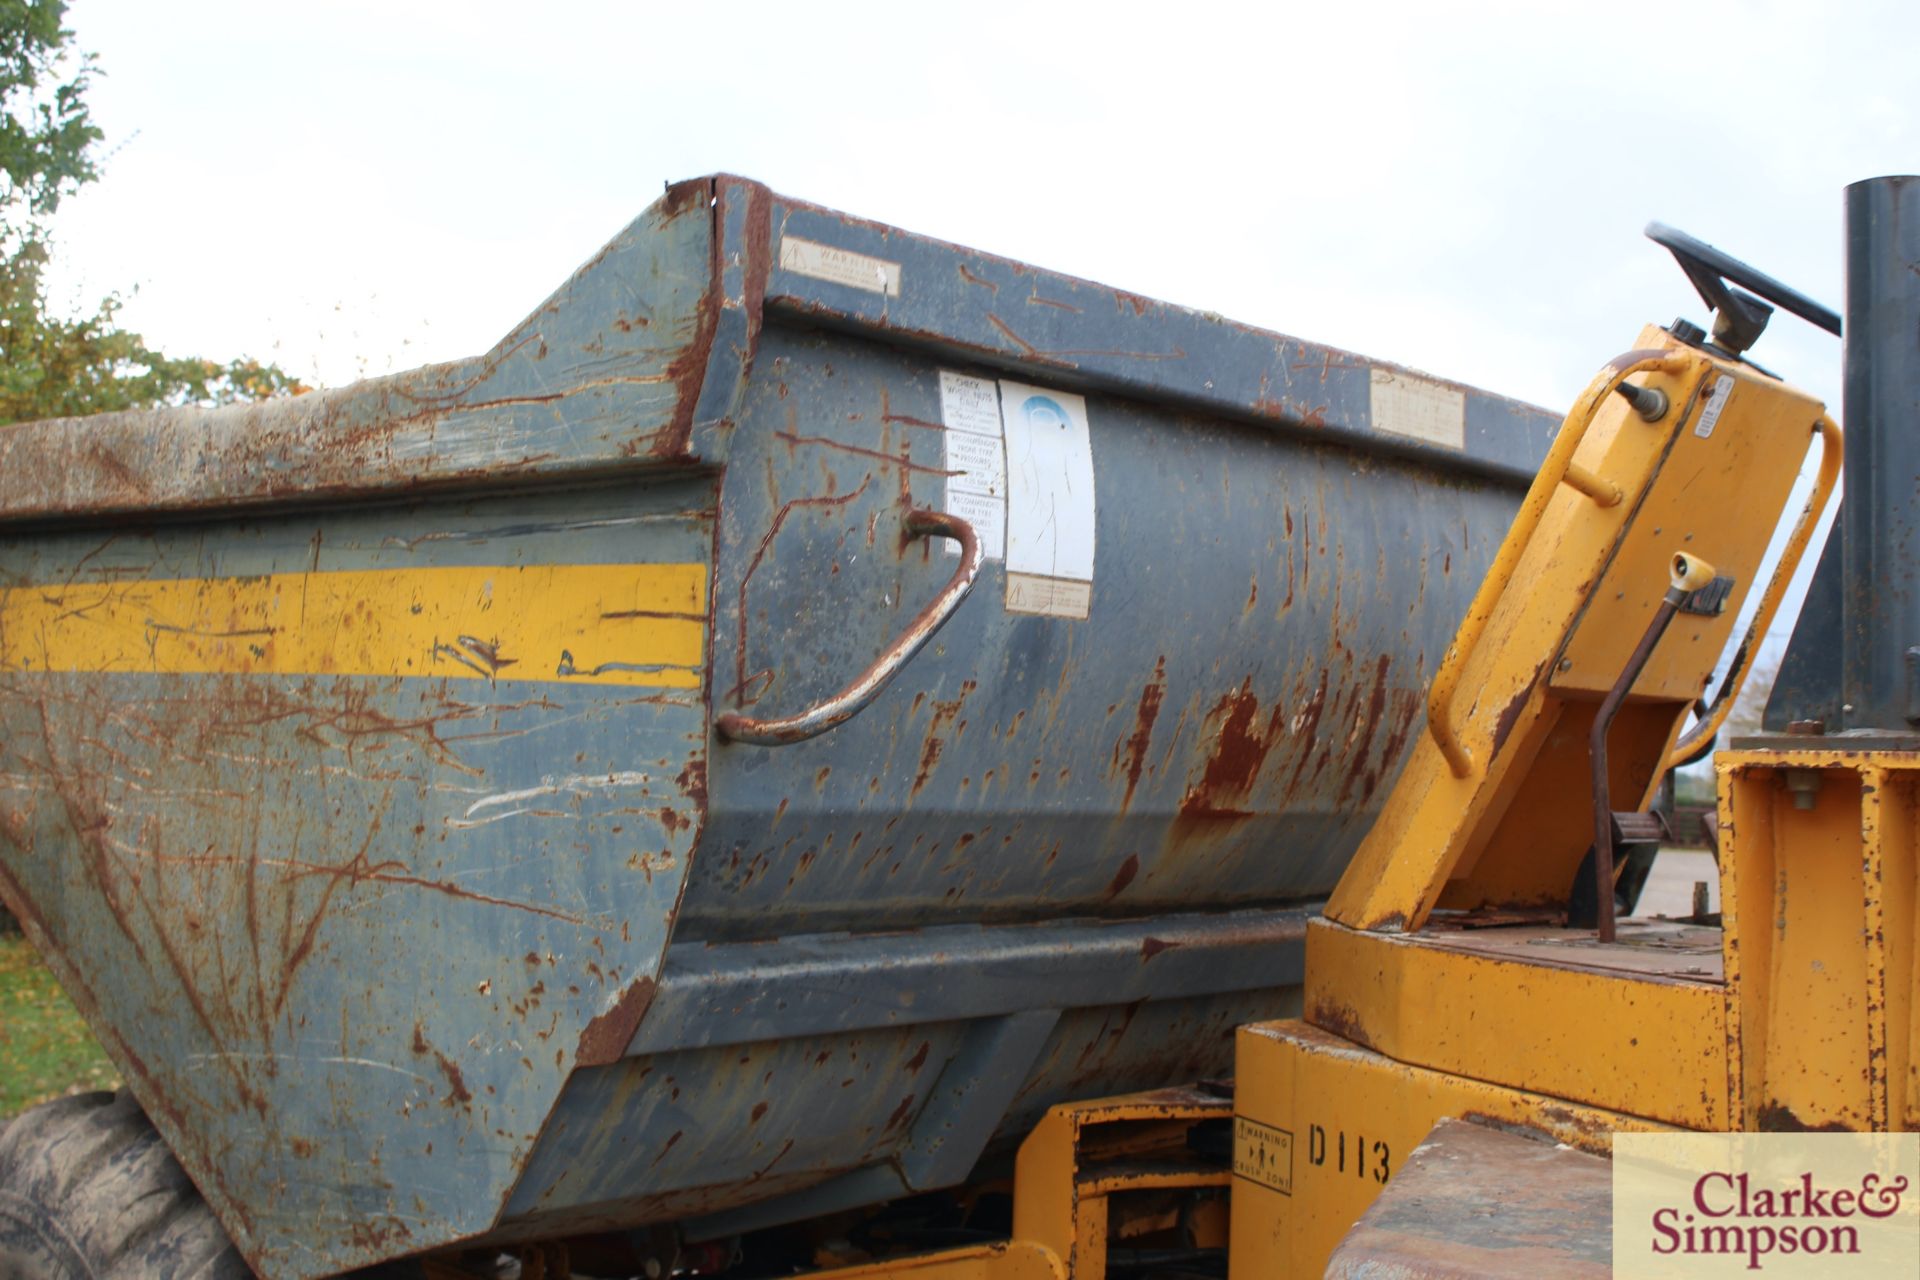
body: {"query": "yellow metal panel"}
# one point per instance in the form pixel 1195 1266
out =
pixel 619 624
pixel 1814 1035
pixel 1577 593
pixel 1551 805
pixel 1900 917
pixel 1434 818
pixel 1334 1099
pixel 1651 1046
pixel 1889 872
pixel 1594 414
pixel 1819 867
pixel 1746 876
pixel 1045 1202
pixel 1719 497
pixel 1008 1260
pixel 1081 1153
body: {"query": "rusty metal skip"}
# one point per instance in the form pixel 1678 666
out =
pixel 824 749
pixel 805 703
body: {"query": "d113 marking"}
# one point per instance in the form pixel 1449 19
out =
pixel 1344 1151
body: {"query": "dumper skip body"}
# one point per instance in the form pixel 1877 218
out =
pixel 359 769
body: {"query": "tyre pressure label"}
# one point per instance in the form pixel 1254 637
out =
pixel 976 461
pixel 1263 1154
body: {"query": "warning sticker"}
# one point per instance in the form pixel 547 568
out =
pixel 1263 1154
pixel 1054 597
pixel 841 266
pixel 975 459
pixel 1050 507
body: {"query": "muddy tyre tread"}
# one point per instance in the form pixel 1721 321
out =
pixel 89 1191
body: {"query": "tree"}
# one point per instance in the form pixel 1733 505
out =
pixel 50 365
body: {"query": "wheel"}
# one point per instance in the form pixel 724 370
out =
pixel 88 1191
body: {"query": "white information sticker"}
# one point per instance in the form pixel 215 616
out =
pixel 1050 508
pixel 1054 597
pixel 1425 410
pixel 841 266
pixel 976 460
pixel 1716 404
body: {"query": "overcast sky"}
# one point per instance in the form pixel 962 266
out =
pixel 351 187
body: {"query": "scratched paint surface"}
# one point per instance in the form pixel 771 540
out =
pixel 599 375
pixel 349 927
pixel 684 1134
pixel 1265 616
pixel 362 827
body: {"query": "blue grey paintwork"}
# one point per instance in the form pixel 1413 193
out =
pixel 1053 859
pixel 346 935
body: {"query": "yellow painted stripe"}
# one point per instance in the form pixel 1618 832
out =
pixel 621 624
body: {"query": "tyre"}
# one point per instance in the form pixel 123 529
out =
pixel 88 1191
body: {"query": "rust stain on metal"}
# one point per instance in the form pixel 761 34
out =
pixel 1307 728
pixel 1340 1019
pixel 1135 746
pixel 934 745
pixel 1240 748
pixel 13 825
pixel 1124 876
pixel 688 370
pixel 982 281
pixel 1510 714
pixel 1485 1202
pixel 692 782
pixel 1556 1123
pixel 125 477
pixel 1406 714
pixel 901 1114
pixel 1359 751
pixel 1027 348
pixel 457 1092
pixel 605 1039
pixel 1776 1117
pixel 890 459
pixel 1151 947
pixel 888 416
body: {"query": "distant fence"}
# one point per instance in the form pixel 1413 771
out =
pixel 1688 823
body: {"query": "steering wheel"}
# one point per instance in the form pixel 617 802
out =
pixel 1739 315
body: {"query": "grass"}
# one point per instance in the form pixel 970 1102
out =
pixel 45 1048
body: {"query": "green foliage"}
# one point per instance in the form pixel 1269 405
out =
pixel 45 1049
pixel 46 135
pixel 53 366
